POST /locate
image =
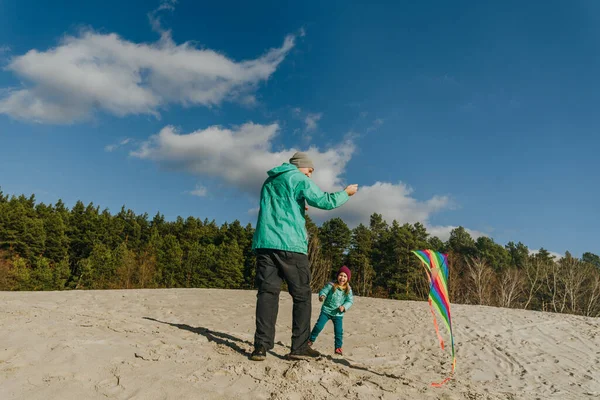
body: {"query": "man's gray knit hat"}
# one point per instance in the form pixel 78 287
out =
pixel 301 160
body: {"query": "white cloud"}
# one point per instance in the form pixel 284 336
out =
pixel 394 201
pixel 240 157
pixel 200 191
pixel 311 121
pixel 167 5
pixel 154 18
pixel 113 147
pixel 104 72
pixel 443 232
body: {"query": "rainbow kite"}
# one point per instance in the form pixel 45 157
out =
pixel 436 267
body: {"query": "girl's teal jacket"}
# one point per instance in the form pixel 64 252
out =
pixel 283 198
pixel 335 299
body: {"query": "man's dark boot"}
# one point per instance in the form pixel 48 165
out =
pixel 304 354
pixel 259 354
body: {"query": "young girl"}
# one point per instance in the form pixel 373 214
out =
pixel 337 299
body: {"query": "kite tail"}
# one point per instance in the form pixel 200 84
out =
pixel 440 384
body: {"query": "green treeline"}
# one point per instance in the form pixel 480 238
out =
pixel 52 247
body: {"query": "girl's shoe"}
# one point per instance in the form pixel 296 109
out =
pixel 339 351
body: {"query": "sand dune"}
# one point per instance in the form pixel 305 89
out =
pixel 194 344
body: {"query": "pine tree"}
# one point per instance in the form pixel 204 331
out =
pixel 61 274
pixel 335 240
pixel 42 275
pixel 126 266
pixel 359 260
pixel 494 254
pixel 170 261
pixel 57 241
pixel 228 272
pixel 103 267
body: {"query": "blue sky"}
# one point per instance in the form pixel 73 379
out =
pixel 480 114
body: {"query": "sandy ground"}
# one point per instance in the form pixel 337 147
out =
pixel 194 344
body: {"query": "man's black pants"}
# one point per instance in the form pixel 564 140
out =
pixel 272 267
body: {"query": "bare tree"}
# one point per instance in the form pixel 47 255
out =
pixel 573 276
pixel 363 278
pixel 456 281
pixel 510 286
pixel 555 283
pixel 535 271
pixel 320 268
pixel 421 286
pixel 480 275
pixel 593 294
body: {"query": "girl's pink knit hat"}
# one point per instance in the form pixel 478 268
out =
pixel 345 270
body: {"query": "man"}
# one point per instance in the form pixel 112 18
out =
pixel 281 246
